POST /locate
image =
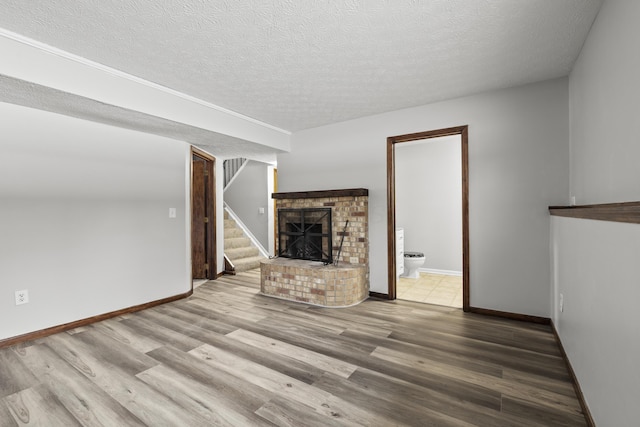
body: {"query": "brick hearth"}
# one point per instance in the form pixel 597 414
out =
pixel 312 282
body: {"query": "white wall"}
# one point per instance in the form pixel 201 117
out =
pixel 246 194
pixel 429 200
pixel 518 152
pixel 605 103
pixel 597 271
pixel 84 222
pixel 596 263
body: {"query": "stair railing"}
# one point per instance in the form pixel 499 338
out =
pixel 231 168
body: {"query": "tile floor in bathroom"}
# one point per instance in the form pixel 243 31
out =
pixel 431 288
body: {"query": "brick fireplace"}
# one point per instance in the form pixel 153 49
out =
pixel 341 283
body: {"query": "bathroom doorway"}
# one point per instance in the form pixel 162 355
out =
pixel 428 217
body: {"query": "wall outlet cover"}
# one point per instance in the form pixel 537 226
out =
pixel 22 297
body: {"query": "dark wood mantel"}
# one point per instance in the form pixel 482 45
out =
pixel 349 192
pixel 615 212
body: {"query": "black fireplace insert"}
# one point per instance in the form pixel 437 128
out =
pixel 305 234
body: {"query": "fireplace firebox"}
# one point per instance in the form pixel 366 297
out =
pixel 305 234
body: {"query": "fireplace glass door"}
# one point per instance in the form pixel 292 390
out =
pixel 305 234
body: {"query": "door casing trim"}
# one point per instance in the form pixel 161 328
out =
pixel 463 131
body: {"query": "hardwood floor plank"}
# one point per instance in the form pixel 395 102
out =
pixel 198 334
pixel 287 413
pixel 126 357
pixel 322 402
pixel 230 356
pixel 509 357
pixel 6 419
pixel 545 417
pixel 308 322
pixel 195 397
pixel 401 411
pixel 14 376
pixel 89 403
pixel 282 364
pixel 317 336
pixel 194 319
pixel 142 325
pixel 329 318
pixel 149 405
pixel 227 311
pixel 392 389
pixel 352 316
pixel 458 389
pixel 487 332
pixel 543 382
pixel 121 332
pixel 329 346
pixel 244 294
pixel 38 407
pixel 501 385
pixel 319 361
pixel 241 396
pixel 455 360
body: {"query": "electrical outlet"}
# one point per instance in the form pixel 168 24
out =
pixel 561 303
pixel 22 297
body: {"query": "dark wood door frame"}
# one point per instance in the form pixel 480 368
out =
pixel 210 201
pixel 463 131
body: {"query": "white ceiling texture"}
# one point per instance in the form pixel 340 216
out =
pixel 298 64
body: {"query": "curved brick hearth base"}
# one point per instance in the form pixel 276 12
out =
pixel 314 283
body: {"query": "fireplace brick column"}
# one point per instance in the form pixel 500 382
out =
pixel 309 282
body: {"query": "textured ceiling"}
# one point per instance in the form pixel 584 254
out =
pixel 297 64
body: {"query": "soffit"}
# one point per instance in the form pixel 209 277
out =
pixel 27 94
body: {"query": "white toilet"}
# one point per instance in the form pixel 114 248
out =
pixel 412 262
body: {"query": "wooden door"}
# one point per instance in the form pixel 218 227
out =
pixel 203 249
pixel 198 215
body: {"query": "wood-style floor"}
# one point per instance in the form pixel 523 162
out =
pixel 229 356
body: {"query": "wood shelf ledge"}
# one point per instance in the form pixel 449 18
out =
pixel 615 212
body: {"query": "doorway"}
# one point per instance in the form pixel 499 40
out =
pixel 203 218
pixel 461 133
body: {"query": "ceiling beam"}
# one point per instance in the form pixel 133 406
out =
pixel 36 62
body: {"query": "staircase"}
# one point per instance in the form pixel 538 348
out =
pixel 238 248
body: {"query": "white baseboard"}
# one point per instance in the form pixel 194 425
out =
pixel 436 271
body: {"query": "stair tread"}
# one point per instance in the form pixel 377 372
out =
pixel 236 242
pixel 244 264
pixel 238 247
pixel 233 232
pixel 242 252
pixel 252 258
